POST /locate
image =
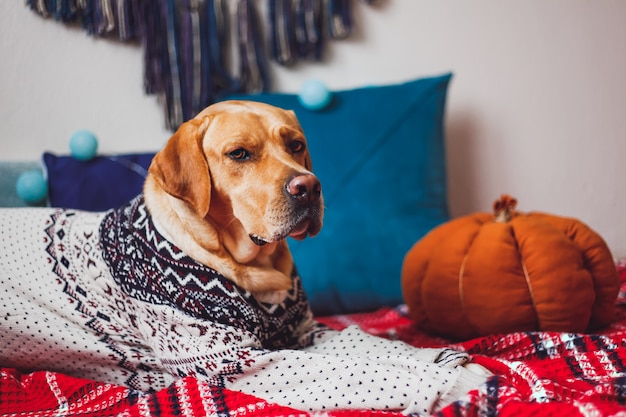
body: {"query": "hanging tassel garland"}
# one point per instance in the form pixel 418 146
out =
pixel 312 23
pixel 339 18
pixel 189 57
pixel 253 72
pixel 173 88
pixel 126 18
pixel 282 33
pixel 187 43
pixel 218 41
pixel 151 26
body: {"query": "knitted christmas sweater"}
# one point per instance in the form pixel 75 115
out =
pixel 106 297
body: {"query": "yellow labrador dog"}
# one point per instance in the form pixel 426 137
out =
pixel 230 186
pixel 194 278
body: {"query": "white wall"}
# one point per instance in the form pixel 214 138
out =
pixel 537 107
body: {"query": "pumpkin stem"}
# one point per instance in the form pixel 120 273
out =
pixel 504 208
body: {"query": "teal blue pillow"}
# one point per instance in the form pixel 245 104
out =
pixel 379 153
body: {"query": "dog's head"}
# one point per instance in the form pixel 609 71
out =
pixel 244 165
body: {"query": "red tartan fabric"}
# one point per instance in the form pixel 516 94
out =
pixel 539 373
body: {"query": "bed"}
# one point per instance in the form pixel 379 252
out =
pixel 537 373
pixel 351 278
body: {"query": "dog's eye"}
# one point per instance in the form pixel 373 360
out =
pixel 239 154
pixel 297 146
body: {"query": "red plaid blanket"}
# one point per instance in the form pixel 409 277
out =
pixel 538 373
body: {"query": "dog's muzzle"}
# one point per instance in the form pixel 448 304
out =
pixel 304 194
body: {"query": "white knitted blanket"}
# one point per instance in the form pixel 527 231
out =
pixel 104 296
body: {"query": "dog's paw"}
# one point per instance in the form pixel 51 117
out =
pixel 271 297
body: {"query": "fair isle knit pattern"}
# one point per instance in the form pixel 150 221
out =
pixel 111 317
pixel 150 268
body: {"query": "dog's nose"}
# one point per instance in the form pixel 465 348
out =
pixel 305 188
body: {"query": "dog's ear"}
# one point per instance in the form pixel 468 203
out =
pixel 181 168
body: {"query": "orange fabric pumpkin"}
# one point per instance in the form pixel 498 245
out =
pixel 508 271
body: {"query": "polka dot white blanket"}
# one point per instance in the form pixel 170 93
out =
pixel 104 296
